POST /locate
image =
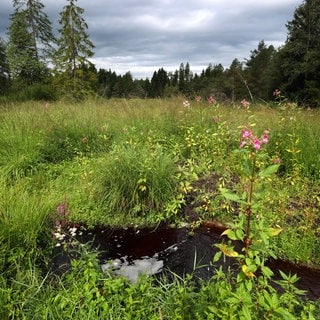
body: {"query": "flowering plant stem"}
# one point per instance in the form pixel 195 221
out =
pixel 249 207
pixel 255 234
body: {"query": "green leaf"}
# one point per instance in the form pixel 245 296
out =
pixel 230 234
pixel 289 278
pixel 248 285
pixel 269 171
pixel 239 234
pixel 273 232
pixel 248 270
pixel 217 256
pixel 229 195
pixel 267 272
pixel 228 251
pixel 246 313
pixel 284 314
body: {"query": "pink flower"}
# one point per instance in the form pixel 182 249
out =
pixel 242 144
pixel 246 133
pixel 265 138
pixel 247 138
pixel 211 100
pixel 245 103
pixel 256 144
pixel 277 160
pixel 198 98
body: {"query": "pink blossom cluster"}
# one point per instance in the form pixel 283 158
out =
pixel 248 138
pixel 245 103
pixel 211 100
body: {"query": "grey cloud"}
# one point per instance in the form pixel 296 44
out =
pixel 144 35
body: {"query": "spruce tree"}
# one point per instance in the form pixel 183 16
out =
pixel 300 55
pixel 182 78
pixel 236 84
pixel 39 26
pixel 30 43
pixel 258 71
pixel 74 50
pixel 25 67
pixel 4 70
pixel 159 81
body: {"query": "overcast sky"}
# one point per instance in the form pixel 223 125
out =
pixel 142 36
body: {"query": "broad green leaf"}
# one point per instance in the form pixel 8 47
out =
pixel 269 171
pixel 230 234
pixel 228 251
pixel 267 271
pixel 247 271
pixel 248 285
pixel 273 232
pixel 246 313
pixel 239 234
pixel 284 314
pixel 229 195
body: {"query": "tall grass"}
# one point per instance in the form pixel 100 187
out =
pixel 25 234
pixel 19 145
pixel 119 162
pixel 61 147
pixel 137 181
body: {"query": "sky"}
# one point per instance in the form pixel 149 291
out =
pixel 142 36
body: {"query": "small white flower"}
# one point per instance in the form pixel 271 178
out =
pixel 59 236
pixel 186 104
pixel 73 231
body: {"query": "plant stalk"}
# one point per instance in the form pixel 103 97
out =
pixel 249 207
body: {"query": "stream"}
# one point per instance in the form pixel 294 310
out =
pixel 167 251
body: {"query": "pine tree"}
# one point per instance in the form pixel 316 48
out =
pixel 300 56
pixel 74 49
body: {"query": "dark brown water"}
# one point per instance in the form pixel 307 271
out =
pixel 177 250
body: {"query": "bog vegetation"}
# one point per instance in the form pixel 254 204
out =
pixel 86 158
pixel 133 163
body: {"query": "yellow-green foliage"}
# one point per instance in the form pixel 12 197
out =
pixel 67 149
pixel 121 162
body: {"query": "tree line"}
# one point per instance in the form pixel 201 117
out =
pixel 36 64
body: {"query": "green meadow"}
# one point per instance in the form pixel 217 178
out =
pixel 132 163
